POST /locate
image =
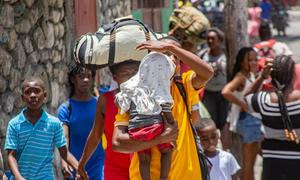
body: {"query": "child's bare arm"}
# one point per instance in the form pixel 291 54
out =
pixel 168 116
pixel 123 143
pixel 68 157
pixel 235 176
pixel 13 165
pixel 1 166
pixel 167 113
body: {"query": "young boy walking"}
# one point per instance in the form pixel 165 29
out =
pixel 224 165
pixel 32 135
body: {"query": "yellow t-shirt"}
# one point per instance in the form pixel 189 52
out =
pixel 185 164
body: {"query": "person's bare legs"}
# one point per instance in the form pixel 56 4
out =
pixel 145 160
pixel 169 119
pixel 250 152
pixel 226 137
pixel 166 153
pixel 165 161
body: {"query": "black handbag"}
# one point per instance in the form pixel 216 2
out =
pixel 205 164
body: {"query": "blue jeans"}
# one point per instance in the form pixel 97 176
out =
pixel 248 127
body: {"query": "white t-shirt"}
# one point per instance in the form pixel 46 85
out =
pixel 224 166
pixel 282 49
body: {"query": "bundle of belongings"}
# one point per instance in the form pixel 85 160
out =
pixel 189 24
pixel 116 42
pixel 113 43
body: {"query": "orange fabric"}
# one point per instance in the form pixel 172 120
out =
pixel 185 164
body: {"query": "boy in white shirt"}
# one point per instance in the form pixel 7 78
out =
pixel 225 167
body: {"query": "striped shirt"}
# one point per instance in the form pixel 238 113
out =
pixel 34 144
pixel 275 144
pixel 140 120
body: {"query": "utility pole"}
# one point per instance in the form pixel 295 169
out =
pixel 236 18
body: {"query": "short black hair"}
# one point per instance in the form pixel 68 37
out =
pixel 33 78
pixel 114 68
pixel 203 123
pixel 169 38
pixel 265 32
pixel 219 33
pixel 172 38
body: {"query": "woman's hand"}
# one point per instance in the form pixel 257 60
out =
pixel 267 69
pixel 244 107
pixel 157 46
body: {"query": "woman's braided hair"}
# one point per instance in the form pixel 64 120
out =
pixel 282 78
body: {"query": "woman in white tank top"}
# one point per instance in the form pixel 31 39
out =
pixel 241 120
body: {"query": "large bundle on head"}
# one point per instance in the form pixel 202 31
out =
pixel 113 43
pixel 189 24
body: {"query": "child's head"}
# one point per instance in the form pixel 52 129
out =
pixel 81 80
pixel 246 60
pixel 208 133
pixel 33 92
pixel 125 70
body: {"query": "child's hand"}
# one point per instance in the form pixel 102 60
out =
pixel 157 46
pixel 66 170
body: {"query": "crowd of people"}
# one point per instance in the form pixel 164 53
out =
pixel 147 127
pixel 272 12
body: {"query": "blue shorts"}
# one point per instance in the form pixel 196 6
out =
pixel 248 127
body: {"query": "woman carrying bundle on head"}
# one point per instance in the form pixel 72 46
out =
pixel 280 111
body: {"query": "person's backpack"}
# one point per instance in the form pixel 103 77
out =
pixel 188 23
pixel 265 50
pixel 205 164
pixel 113 43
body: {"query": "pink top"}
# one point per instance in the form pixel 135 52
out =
pixel 254 20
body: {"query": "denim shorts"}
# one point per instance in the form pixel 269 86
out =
pixel 248 127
